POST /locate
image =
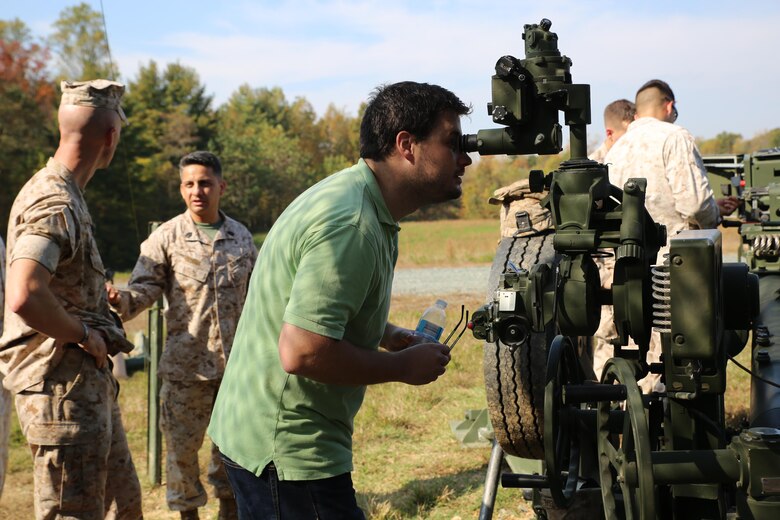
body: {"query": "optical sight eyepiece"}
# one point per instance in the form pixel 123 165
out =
pixel 469 143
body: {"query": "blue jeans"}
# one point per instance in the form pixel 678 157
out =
pixel 268 498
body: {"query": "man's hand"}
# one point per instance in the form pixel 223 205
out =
pixel 727 205
pixel 96 346
pixel 113 294
pixel 424 363
pixel 397 338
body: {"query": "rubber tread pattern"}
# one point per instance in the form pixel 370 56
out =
pixel 515 380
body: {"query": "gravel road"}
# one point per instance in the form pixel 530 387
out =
pixel 455 280
pixel 442 280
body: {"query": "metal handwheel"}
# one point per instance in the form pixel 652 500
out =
pixel 625 466
pixel 561 427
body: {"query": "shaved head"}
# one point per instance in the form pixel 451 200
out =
pixel 617 116
pixel 655 99
pixel 617 112
pixel 85 123
pixel 89 133
pixel 649 99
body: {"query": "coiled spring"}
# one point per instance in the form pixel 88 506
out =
pixel 662 308
pixel 766 245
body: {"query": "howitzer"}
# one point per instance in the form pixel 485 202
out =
pixel 661 455
pixel 755 180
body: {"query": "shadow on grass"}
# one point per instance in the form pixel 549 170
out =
pixel 419 497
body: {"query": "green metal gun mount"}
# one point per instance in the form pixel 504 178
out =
pixel 755 180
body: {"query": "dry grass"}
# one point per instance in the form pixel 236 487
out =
pixel 407 462
pixel 447 243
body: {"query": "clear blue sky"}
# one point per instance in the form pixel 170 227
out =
pixel 718 56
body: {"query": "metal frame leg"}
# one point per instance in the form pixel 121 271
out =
pixel 491 482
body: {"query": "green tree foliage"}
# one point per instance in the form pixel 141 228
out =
pixel 484 177
pixel 272 148
pixel 339 146
pixel 81 45
pixel 724 142
pixel 268 148
pixel 770 139
pixel 489 173
pixel 27 110
pixel 731 143
pixel 169 116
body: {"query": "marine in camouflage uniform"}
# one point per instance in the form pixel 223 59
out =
pixel 599 153
pixel 204 274
pixel 5 395
pixel 678 194
pixel 59 330
pixel 618 115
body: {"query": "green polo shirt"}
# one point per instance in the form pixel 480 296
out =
pixel 327 267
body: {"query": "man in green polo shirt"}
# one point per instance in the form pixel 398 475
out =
pixel 317 308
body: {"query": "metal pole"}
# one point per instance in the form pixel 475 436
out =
pixel 578 141
pixel 154 435
pixel 491 482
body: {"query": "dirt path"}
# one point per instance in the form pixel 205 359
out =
pixel 442 280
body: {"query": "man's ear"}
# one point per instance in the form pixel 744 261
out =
pixel 404 142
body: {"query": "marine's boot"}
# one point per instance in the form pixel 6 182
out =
pixel 192 514
pixel 227 509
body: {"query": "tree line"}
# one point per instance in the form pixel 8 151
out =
pixel 272 148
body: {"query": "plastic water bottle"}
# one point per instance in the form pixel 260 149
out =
pixel 432 322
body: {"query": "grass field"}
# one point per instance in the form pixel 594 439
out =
pixel 407 462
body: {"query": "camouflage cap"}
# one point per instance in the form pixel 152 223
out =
pixel 98 93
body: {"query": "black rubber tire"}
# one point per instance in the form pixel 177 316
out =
pixel 515 380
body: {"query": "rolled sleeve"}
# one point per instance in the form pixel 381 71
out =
pixel 40 249
pixel 48 235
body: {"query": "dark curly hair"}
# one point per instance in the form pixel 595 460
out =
pixel 202 158
pixel 410 106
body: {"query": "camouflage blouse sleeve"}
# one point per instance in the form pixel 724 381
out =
pixel 693 197
pixel 48 234
pixel 148 279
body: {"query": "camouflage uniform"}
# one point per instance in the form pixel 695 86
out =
pixel 522 214
pixel 599 153
pixel 67 406
pixel 678 195
pixel 205 284
pixel 602 348
pixel 678 191
pixel 5 395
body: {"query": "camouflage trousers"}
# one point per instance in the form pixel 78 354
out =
pixel 186 410
pixel 603 349
pixel 82 464
pixel 5 426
